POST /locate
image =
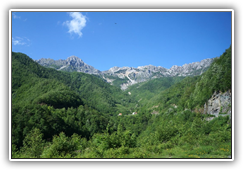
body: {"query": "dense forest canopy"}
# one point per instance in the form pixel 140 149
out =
pixel 57 114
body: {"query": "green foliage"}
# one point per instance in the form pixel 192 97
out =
pixel 39 96
pixel 172 138
pixel 60 99
pixel 117 81
pixel 143 92
pixel 216 78
pixel 62 147
pixel 33 145
pixel 115 140
pixel 183 138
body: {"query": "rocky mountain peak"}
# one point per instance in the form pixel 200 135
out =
pixel 114 69
pixel 72 63
pixel 75 61
pixel 74 58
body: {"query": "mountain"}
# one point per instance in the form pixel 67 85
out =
pixel 124 77
pixel 131 75
pixel 72 63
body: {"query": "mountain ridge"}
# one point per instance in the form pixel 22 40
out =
pixel 127 76
pixel 72 63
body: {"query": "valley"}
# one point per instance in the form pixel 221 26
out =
pixel 69 109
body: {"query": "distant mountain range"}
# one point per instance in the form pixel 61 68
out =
pixel 72 63
pixel 127 76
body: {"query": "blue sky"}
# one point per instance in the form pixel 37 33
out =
pixel 107 39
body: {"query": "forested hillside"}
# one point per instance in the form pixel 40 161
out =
pixel 50 100
pixel 94 91
pixel 192 92
pixel 75 115
pixel 143 92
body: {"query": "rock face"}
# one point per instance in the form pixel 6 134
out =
pixel 144 73
pixel 219 103
pixel 127 76
pixel 190 69
pixel 72 63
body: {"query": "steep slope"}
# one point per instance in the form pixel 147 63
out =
pixel 24 69
pixel 46 91
pixel 31 82
pixel 144 91
pixel 192 92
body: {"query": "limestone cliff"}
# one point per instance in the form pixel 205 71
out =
pixel 219 103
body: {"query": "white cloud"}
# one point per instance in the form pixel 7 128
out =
pixel 20 41
pixel 76 24
pixel 17 42
pixel 15 16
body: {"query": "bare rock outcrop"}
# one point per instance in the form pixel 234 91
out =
pixel 219 103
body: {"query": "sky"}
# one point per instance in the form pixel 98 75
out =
pixel 107 39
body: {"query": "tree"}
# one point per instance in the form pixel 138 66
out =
pixel 33 144
pixel 62 146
